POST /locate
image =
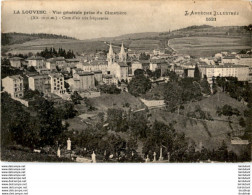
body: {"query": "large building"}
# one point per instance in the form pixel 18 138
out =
pixel 98 65
pixel 57 83
pixel 117 69
pixel 42 83
pixel 82 81
pixel 14 85
pixel 227 70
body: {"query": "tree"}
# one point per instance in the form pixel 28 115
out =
pixel 205 86
pixel 173 96
pixel 139 72
pixel 197 73
pixel 139 85
pixel 76 98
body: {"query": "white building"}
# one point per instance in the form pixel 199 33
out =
pixel 14 85
pixel 57 83
pixel 228 70
pixel 117 69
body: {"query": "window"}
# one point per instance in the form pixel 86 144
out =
pixel 54 88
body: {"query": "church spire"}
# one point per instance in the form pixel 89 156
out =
pixel 122 49
pixel 122 54
pixel 110 49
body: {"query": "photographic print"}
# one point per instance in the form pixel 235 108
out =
pixel 126 82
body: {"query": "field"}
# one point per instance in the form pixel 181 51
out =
pixel 208 46
pixel 37 45
pixel 79 46
pixel 210 133
pixel 106 101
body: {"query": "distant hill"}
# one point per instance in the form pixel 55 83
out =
pixel 18 38
pixel 128 36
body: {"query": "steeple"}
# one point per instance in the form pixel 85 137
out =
pixel 111 49
pixel 122 49
pixel 110 55
pixel 122 54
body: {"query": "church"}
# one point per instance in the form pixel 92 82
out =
pixel 118 68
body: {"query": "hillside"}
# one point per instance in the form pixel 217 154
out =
pixel 16 38
pixel 202 40
pixel 210 133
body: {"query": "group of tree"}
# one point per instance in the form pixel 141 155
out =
pixel 144 56
pixel 236 89
pixel 227 110
pixel 179 92
pixel 109 89
pixel 139 84
pixel 42 128
pixel 51 53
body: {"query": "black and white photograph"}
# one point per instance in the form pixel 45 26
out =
pixel 126 82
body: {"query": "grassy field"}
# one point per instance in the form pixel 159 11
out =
pixel 39 44
pixel 208 46
pixel 211 133
pixel 106 101
pixel 79 46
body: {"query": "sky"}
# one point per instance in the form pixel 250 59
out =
pixel 141 16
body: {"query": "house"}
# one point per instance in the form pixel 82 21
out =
pixel 14 85
pixel 229 60
pixel 98 76
pixel 57 83
pixel 16 62
pixel 36 61
pixel 82 81
pixel 109 80
pixel 136 65
pixel 189 72
pixel 42 83
pixel 72 62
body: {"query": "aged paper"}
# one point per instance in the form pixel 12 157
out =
pixel 128 81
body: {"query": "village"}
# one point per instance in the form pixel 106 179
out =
pixel 92 75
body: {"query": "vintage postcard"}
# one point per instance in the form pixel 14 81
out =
pixel 128 81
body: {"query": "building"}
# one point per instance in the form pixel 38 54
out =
pixel 98 76
pixel 36 61
pixel 42 83
pixel 82 81
pixel 57 83
pixel 136 65
pixel 14 85
pixel 119 69
pixel 72 62
pixel 229 60
pixel 109 80
pixel 189 72
pixel 94 66
pixel 16 62
pixel 227 70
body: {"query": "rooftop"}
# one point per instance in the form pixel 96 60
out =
pixel 35 58
pixel 15 59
